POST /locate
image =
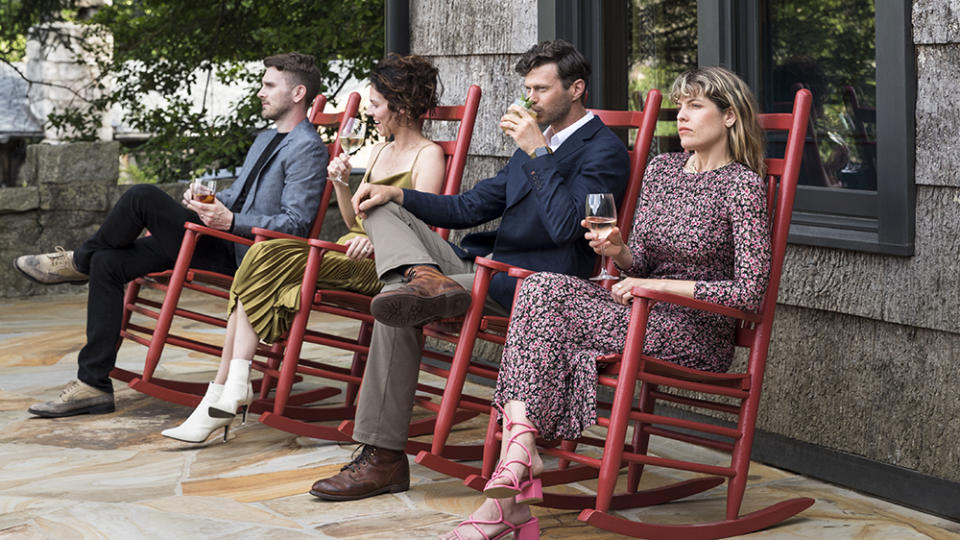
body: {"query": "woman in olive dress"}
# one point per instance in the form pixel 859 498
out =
pixel 265 293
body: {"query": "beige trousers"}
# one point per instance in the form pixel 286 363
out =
pixel 385 401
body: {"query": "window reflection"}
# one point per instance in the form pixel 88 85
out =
pixel 663 44
pixel 827 46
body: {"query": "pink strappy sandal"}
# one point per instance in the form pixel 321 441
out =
pixel 529 491
pixel 528 530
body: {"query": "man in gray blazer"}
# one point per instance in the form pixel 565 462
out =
pixel 278 188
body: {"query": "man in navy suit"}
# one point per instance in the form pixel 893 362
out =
pixel 278 188
pixel 540 198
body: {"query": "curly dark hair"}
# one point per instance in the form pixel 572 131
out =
pixel 410 84
pixel 301 67
pixel 571 65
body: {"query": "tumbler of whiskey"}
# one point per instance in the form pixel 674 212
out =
pixel 204 190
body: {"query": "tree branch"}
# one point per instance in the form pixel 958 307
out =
pixel 30 82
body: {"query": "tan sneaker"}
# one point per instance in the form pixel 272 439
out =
pixel 77 398
pixel 50 268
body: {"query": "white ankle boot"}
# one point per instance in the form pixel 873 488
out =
pixel 237 392
pixel 199 425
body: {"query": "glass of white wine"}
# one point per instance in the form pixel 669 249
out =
pixel 601 218
pixel 351 139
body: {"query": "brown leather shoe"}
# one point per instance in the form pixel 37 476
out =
pixel 427 296
pixel 374 471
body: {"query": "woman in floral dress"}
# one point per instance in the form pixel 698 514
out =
pixel 701 231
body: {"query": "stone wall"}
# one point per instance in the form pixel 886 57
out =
pixel 68 72
pixel 866 347
pixel 65 192
pixel 490 36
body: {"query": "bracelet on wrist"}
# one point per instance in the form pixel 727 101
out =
pixel 339 180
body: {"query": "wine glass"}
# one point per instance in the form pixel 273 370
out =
pixel 351 138
pixel 601 218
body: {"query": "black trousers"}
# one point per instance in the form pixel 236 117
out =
pixel 116 254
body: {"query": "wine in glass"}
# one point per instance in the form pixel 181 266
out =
pixel 351 138
pixel 601 218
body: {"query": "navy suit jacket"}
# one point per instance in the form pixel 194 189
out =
pixel 541 202
pixel 286 193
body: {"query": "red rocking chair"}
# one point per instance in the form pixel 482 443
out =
pixel 454 405
pixel 172 283
pixel 736 394
pixel 293 411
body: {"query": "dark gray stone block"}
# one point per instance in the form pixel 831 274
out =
pixel 95 196
pixel 27 175
pixel 67 228
pixel 19 199
pixel 18 231
pixel 76 162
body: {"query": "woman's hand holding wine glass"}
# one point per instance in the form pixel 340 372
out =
pixel 601 219
pixel 608 243
pixel 351 139
pixel 338 168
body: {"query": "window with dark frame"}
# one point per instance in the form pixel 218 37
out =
pixel 861 194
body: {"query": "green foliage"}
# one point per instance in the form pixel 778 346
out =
pixel 836 34
pixel 162 47
pixel 664 44
pixel 132 174
pixel 18 16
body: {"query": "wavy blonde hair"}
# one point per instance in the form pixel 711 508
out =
pixel 728 91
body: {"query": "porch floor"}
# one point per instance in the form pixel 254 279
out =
pixel 115 476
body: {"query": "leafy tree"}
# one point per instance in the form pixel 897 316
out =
pixel 162 47
pixel 663 45
pixel 836 34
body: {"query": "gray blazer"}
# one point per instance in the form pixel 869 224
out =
pixel 285 195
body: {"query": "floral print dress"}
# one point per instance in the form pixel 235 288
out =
pixel 710 227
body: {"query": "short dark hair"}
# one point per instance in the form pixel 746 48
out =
pixel 301 67
pixel 571 65
pixel 408 83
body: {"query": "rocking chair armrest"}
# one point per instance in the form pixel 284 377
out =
pixel 493 265
pixel 266 234
pixel 521 273
pixel 316 243
pixel 496 266
pixel 659 296
pixel 327 245
pixel 203 230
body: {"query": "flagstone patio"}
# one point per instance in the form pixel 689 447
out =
pixel 115 476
